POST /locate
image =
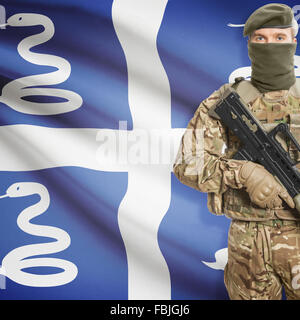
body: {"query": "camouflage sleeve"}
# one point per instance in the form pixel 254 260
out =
pixel 201 161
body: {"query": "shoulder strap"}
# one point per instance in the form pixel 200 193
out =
pixel 246 90
pixel 295 89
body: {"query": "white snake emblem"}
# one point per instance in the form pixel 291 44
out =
pixel 17 259
pixel 14 91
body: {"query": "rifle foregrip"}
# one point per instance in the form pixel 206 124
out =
pixel 297 201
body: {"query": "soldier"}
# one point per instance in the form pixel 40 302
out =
pixel 264 234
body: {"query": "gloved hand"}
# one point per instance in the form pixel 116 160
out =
pixel 262 187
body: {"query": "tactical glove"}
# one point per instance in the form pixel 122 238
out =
pixel 262 187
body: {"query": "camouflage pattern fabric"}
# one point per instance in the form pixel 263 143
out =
pixel 263 244
pixel 263 257
pixel 217 174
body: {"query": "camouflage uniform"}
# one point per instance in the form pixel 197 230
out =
pixel 262 258
pixel 263 244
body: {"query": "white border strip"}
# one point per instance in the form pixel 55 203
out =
pixel 148 196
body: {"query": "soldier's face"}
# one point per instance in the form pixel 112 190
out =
pixel 272 35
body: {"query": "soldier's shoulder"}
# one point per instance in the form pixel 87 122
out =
pixel 213 98
pixel 224 87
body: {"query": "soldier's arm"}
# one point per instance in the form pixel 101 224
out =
pixel 209 170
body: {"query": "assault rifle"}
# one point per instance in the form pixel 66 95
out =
pixel 258 145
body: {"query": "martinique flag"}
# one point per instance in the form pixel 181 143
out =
pixel 95 97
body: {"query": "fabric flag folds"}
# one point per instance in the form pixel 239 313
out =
pixel 95 97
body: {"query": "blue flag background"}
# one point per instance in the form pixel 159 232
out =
pixel 198 52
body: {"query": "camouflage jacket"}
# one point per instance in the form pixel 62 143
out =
pixel 204 158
